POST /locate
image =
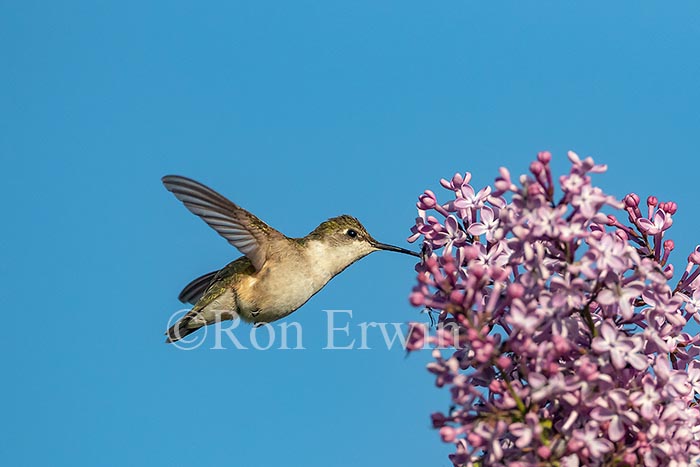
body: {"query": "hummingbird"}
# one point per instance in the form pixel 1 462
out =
pixel 276 274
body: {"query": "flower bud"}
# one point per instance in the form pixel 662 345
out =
pixel 427 200
pixel 544 452
pixel 536 168
pixel 631 200
pixel 448 434
pixel 515 290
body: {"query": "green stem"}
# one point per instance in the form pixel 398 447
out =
pixel 586 313
pixel 518 401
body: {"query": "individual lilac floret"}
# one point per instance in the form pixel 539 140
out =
pixel 560 336
pixel 622 350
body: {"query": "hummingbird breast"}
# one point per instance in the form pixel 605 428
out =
pixel 284 284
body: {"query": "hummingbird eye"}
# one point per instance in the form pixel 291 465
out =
pixel 351 233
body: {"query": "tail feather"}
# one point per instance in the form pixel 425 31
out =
pixel 179 330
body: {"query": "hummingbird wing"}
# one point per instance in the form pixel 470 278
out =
pixel 195 289
pixel 242 229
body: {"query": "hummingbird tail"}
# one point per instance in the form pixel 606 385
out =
pixel 178 331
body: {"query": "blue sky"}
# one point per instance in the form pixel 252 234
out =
pixel 298 111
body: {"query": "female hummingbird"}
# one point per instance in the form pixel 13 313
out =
pixel 276 275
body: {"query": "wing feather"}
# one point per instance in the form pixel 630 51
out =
pixel 195 289
pixel 242 229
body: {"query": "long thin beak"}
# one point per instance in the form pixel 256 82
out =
pixel 384 246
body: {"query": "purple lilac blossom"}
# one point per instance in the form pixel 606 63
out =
pixel 567 342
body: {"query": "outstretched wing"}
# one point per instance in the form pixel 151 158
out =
pixel 242 229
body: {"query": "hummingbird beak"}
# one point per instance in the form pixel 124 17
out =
pixel 384 246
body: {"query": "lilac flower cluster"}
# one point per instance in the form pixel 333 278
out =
pixel 566 342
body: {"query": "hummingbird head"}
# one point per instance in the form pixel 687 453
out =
pixel 349 240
